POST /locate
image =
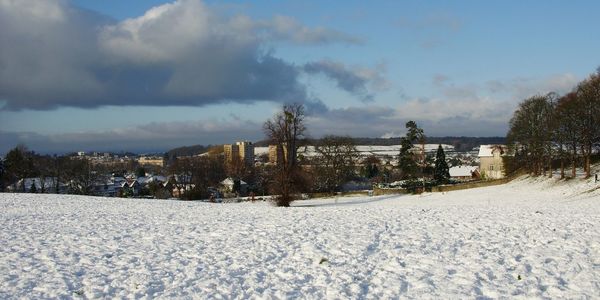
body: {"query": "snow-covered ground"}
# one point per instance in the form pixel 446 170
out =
pixel 529 238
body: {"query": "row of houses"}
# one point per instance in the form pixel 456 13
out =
pixel 116 186
pixel 110 187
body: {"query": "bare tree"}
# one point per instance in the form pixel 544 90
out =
pixel 335 162
pixel 530 133
pixel 588 97
pixel 18 164
pixel 285 130
pixel 81 176
pixel 196 174
pixel 567 131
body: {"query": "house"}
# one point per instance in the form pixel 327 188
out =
pixel 227 187
pixel 491 165
pixel 464 173
pixel 131 187
pixel 179 185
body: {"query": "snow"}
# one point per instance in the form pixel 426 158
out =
pixel 529 238
pixel 462 171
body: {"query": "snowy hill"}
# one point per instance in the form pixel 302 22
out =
pixel 529 238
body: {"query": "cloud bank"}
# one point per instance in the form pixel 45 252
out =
pixel 151 137
pixel 53 54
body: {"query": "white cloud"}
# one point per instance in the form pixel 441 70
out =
pixel 521 88
pixel 287 28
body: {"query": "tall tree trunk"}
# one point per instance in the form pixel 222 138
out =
pixel 562 168
pixel 574 163
pixel 588 167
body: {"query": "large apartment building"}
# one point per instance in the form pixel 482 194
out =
pixel 276 154
pixel 242 151
pixel 151 160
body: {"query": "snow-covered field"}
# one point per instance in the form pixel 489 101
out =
pixel 529 238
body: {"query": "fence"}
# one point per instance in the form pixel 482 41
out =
pixel 445 188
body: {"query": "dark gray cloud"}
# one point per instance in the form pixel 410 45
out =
pixel 357 81
pixel 53 54
pixel 142 138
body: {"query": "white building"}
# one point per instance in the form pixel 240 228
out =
pixel 491 165
pixel 464 173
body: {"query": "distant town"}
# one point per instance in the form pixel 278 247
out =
pixel 239 170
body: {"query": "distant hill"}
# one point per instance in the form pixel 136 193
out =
pixel 187 151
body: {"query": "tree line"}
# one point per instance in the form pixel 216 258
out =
pixel 79 175
pixel 554 131
pixel 335 162
pixel 336 159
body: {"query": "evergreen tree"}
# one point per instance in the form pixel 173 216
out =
pixel 140 172
pixel 407 159
pixel 2 175
pixel 33 188
pixel 441 172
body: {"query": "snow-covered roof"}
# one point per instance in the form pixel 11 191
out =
pixel 462 171
pixel 151 178
pixel 488 150
pixel 229 181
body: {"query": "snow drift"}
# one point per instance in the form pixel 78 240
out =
pixel 528 238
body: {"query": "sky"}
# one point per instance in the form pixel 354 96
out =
pixel 148 76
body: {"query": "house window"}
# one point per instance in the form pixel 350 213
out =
pixel 491 167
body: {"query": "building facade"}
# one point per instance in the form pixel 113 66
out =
pixel 491 165
pixel 151 161
pixel 240 151
pixel 276 154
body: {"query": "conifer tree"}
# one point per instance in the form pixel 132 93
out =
pixel 441 172
pixel 407 160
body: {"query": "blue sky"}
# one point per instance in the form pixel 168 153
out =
pixel 151 75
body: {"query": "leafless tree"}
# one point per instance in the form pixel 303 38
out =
pixel 285 130
pixel 335 162
pixel 588 96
